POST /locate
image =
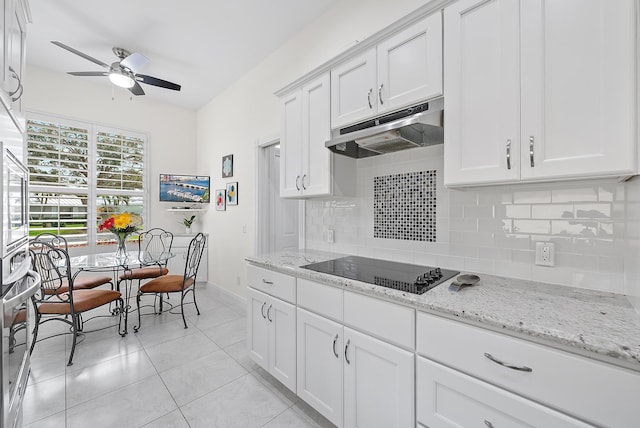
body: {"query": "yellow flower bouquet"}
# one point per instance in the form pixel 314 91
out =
pixel 121 225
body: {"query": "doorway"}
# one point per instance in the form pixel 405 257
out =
pixel 278 219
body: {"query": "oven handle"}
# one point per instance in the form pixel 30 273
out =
pixel 25 294
pixel 21 272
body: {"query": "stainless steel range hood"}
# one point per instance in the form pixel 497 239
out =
pixel 417 126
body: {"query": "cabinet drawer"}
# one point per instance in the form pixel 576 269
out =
pixel 273 283
pixel 447 398
pixel 594 391
pixel 383 319
pixel 319 298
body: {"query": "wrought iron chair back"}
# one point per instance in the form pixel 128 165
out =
pixel 52 263
pixel 155 242
pixel 194 255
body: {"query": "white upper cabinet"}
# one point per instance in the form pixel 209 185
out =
pixel 539 90
pixel 410 65
pixel 15 30
pixel 401 70
pixel 305 161
pixel 353 96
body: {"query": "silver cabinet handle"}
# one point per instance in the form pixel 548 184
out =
pixel 380 94
pixel 262 310
pixel 20 88
pixel 508 154
pixel 369 98
pixel 488 424
pixel 297 180
pixel 346 348
pixel 531 151
pixel 268 312
pixel 510 366
pixel 302 181
pixel 335 339
pixel 264 281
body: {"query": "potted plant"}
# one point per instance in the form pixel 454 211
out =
pixel 188 221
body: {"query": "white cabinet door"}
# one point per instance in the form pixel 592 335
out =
pixel 353 89
pixel 482 101
pixel 378 383
pixel 14 59
pixel 257 327
pixel 290 144
pixel 316 130
pixel 320 360
pixel 578 88
pixel 447 399
pixel 282 341
pixel 410 65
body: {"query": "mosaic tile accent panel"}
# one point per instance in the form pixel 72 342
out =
pixel 404 206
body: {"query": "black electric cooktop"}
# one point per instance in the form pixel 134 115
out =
pixel 399 276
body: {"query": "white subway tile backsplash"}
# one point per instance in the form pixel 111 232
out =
pixel 532 197
pixel 552 211
pixel 575 194
pixel 595 226
pixel 532 226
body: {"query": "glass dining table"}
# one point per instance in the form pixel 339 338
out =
pixel 117 265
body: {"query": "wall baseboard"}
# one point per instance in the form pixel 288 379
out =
pixel 237 302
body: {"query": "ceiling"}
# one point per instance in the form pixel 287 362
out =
pixel 203 45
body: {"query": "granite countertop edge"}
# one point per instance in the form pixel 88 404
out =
pixel 602 324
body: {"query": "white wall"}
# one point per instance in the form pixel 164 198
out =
pixel 248 110
pixel 171 130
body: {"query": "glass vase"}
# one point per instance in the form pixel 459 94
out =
pixel 121 251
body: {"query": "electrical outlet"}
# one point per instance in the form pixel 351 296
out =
pixel 330 236
pixel 545 254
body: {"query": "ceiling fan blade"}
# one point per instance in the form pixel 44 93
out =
pixel 149 80
pixel 136 89
pixel 88 73
pixel 134 62
pixel 83 55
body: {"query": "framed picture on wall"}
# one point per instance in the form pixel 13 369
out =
pixel 227 166
pixel 232 193
pixel 221 200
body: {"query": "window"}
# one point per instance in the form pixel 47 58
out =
pixel 80 173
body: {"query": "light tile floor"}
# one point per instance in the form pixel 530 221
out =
pixel 162 376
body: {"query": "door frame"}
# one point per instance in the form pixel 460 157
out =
pixel 261 223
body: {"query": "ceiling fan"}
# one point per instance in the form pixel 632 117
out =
pixel 122 73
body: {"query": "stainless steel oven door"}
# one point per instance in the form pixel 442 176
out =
pixel 15 198
pixel 18 321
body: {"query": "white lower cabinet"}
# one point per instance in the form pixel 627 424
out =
pixel 271 336
pixel 320 359
pixel 447 398
pixel 378 383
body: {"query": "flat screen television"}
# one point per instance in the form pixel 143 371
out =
pixel 190 189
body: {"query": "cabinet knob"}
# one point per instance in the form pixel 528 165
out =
pixel 346 349
pixel 302 181
pixel 268 312
pixel 335 339
pixel 19 89
pixel 369 98
pixel 380 94
pixel 262 310
pixel 508 154
pixel 297 181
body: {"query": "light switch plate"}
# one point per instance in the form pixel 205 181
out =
pixel 545 254
pixel 330 236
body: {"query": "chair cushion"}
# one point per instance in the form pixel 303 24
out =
pixel 83 300
pixel 145 273
pixel 80 283
pixel 166 284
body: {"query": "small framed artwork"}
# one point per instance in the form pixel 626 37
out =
pixel 227 166
pixel 232 193
pixel 221 200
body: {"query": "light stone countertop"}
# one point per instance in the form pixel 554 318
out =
pixel 601 325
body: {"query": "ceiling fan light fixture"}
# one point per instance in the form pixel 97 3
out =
pixel 123 80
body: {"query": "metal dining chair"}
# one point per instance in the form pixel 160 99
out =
pixel 182 284
pixel 154 241
pixel 84 282
pixel 58 298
